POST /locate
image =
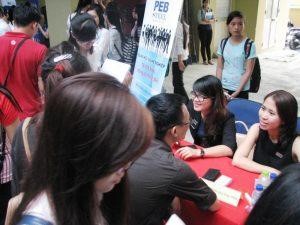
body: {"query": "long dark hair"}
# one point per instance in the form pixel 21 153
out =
pixel 83 28
pixel 211 87
pixel 82 4
pixel 140 11
pixel 287 109
pixel 88 132
pixel 113 17
pixel 98 9
pixel 278 204
pixel 54 71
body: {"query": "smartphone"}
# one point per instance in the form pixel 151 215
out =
pixel 212 174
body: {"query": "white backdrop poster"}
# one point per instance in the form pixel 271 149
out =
pixel 155 46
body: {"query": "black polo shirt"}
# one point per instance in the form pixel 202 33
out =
pixel 156 178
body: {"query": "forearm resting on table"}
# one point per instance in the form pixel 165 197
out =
pixel 217 151
pixel 251 166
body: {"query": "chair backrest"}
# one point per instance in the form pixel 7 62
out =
pixel 298 125
pixel 245 112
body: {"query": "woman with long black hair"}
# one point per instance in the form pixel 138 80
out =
pixel 115 32
pixel 212 125
pixel 88 139
pixel 274 139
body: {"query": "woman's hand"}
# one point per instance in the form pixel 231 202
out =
pixel 273 170
pixel 234 94
pixel 188 153
pixel 176 206
pixel 128 79
pixel 181 65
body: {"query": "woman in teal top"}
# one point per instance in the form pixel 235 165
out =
pixel 234 68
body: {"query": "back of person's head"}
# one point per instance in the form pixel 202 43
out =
pixel 232 15
pixel 278 204
pixel 83 28
pixel 88 132
pixel 24 15
pixel 98 9
pixel 166 110
pixel 61 62
pixel 287 109
pixel 82 4
pixel 11 13
pixel 112 14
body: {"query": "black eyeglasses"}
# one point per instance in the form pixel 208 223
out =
pixel 200 97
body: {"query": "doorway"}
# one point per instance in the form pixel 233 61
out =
pixel 270 23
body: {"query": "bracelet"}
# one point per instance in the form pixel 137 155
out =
pixel 202 153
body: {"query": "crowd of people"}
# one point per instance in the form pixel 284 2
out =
pixel 78 148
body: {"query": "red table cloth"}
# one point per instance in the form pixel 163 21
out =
pixel 242 181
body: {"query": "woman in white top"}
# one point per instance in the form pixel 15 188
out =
pixel 82 7
pixel 101 44
pixel 88 139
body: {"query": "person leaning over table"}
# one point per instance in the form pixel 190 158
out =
pixel 212 126
pixel 157 178
pixel 274 139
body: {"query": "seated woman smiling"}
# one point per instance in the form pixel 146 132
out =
pixel 274 138
pixel 212 125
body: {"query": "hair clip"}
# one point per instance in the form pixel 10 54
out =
pixel 62 57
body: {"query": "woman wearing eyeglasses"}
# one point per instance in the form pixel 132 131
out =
pixel 212 125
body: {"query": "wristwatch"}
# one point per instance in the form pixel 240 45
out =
pixel 202 153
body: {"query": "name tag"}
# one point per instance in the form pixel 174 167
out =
pixel 279 155
pixel 194 123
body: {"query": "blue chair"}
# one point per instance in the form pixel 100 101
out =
pixel 298 125
pixel 245 112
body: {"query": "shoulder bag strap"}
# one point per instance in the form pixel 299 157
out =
pixel 119 53
pixel 13 59
pixel 25 138
pixel 247 47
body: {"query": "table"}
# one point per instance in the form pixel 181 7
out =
pixel 227 215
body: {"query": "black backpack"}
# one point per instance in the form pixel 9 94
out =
pixel 256 73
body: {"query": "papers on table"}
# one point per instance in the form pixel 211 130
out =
pixel 225 194
pixel 115 69
pixel 175 220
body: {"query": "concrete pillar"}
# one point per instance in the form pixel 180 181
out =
pixel 57 13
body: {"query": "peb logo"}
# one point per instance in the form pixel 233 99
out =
pixel 161 6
